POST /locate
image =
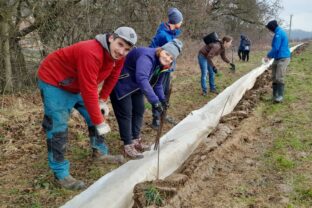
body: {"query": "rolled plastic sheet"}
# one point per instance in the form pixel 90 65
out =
pixel 115 189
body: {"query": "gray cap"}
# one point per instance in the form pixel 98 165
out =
pixel 128 34
pixel 174 16
pixel 173 47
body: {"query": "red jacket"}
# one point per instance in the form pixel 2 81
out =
pixel 80 68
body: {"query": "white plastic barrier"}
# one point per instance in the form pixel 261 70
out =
pixel 115 189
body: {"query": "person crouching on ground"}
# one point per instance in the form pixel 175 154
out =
pixel 69 78
pixel 281 54
pixel 141 75
pixel 205 56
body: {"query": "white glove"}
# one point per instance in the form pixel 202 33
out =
pixel 103 128
pixel 104 107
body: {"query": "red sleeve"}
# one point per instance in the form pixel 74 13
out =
pixel 88 70
pixel 111 81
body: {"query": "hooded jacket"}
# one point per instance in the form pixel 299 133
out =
pixel 243 43
pixel 164 35
pixel 80 68
pixel 142 71
pixel 279 45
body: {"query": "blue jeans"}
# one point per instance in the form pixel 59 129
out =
pixel 129 113
pixel 58 105
pixel 206 69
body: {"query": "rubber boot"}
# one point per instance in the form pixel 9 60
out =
pixel 275 93
pixel 280 93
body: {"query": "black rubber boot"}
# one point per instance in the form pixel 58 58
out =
pixel 280 93
pixel 275 93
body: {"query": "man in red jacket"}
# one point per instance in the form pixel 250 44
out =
pixel 69 78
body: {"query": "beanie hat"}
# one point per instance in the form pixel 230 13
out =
pixel 173 47
pixel 174 16
pixel 272 25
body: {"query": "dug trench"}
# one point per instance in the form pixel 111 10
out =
pixel 211 176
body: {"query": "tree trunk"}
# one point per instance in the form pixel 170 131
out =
pixel 8 86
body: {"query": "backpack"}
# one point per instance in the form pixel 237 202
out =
pixel 211 38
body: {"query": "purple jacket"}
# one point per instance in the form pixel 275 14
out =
pixel 140 73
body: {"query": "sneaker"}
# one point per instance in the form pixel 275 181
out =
pixel 71 183
pixel 131 152
pixel 214 91
pixel 106 158
pixel 138 145
pixel 204 94
pixel 155 123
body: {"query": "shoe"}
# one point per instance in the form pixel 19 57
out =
pixel 214 91
pixel 204 94
pixel 131 152
pixel 155 123
pixel 71 183
pixel 106 158
pixel 138 145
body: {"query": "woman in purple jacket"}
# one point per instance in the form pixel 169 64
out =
pixel 141 75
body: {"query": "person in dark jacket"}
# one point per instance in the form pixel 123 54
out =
pixel 69 78
pixel 244 48
pixel 205 56
pixel 141 75
pixel 281 54
pixel 166 32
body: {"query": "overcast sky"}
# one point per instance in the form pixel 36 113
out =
pixel 301 11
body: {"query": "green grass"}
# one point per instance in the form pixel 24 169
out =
pixel 153 197
pixel 292 136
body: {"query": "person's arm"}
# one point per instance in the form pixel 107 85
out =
pixel 144 66
pixel 224 58
pixel 88 68
pixel 276 44
pixel 111 81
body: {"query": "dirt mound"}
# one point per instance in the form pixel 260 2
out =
pixel 206 160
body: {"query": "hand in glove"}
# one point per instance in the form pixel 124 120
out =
pixel 158 106
pixel 232 66
pixel 104 107
pixel 103 128
pixel 165 105
pixel 215 70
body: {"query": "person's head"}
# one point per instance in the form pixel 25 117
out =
pixel 169 52
pixel 227 41
pixel 175 18
pixel 121 42
pixel 272 25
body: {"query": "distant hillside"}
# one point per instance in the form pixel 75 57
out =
pixel 300 34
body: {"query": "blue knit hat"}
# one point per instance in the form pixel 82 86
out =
pixel 173 47
pixel 174 16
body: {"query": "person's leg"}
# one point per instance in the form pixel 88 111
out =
pixel 57 107
pixel 247 56
pixel 239 54
pixel 123 112
pixel 203 67
pixel 211 75
pixel 281 68
pixel 244 55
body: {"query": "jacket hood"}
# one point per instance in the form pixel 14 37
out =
pixel 102 38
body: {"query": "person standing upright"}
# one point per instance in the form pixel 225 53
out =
pixel 281 54
pixel 166 32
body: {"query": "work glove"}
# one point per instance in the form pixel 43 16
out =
pixel 158 106
pixel 103 128
pixel 104 107
pixel 232 67
pixel 165 104
pixel 215 70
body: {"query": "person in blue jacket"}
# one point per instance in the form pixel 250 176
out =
pixel 244 48
pixel 142 74
pixel 167 31
pixel 281 55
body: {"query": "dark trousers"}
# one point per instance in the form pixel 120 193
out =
pixel 239 53
pixel 129 113
pixel 245 56
pixel 166 85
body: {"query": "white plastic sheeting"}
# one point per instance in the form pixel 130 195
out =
pixel 115 189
